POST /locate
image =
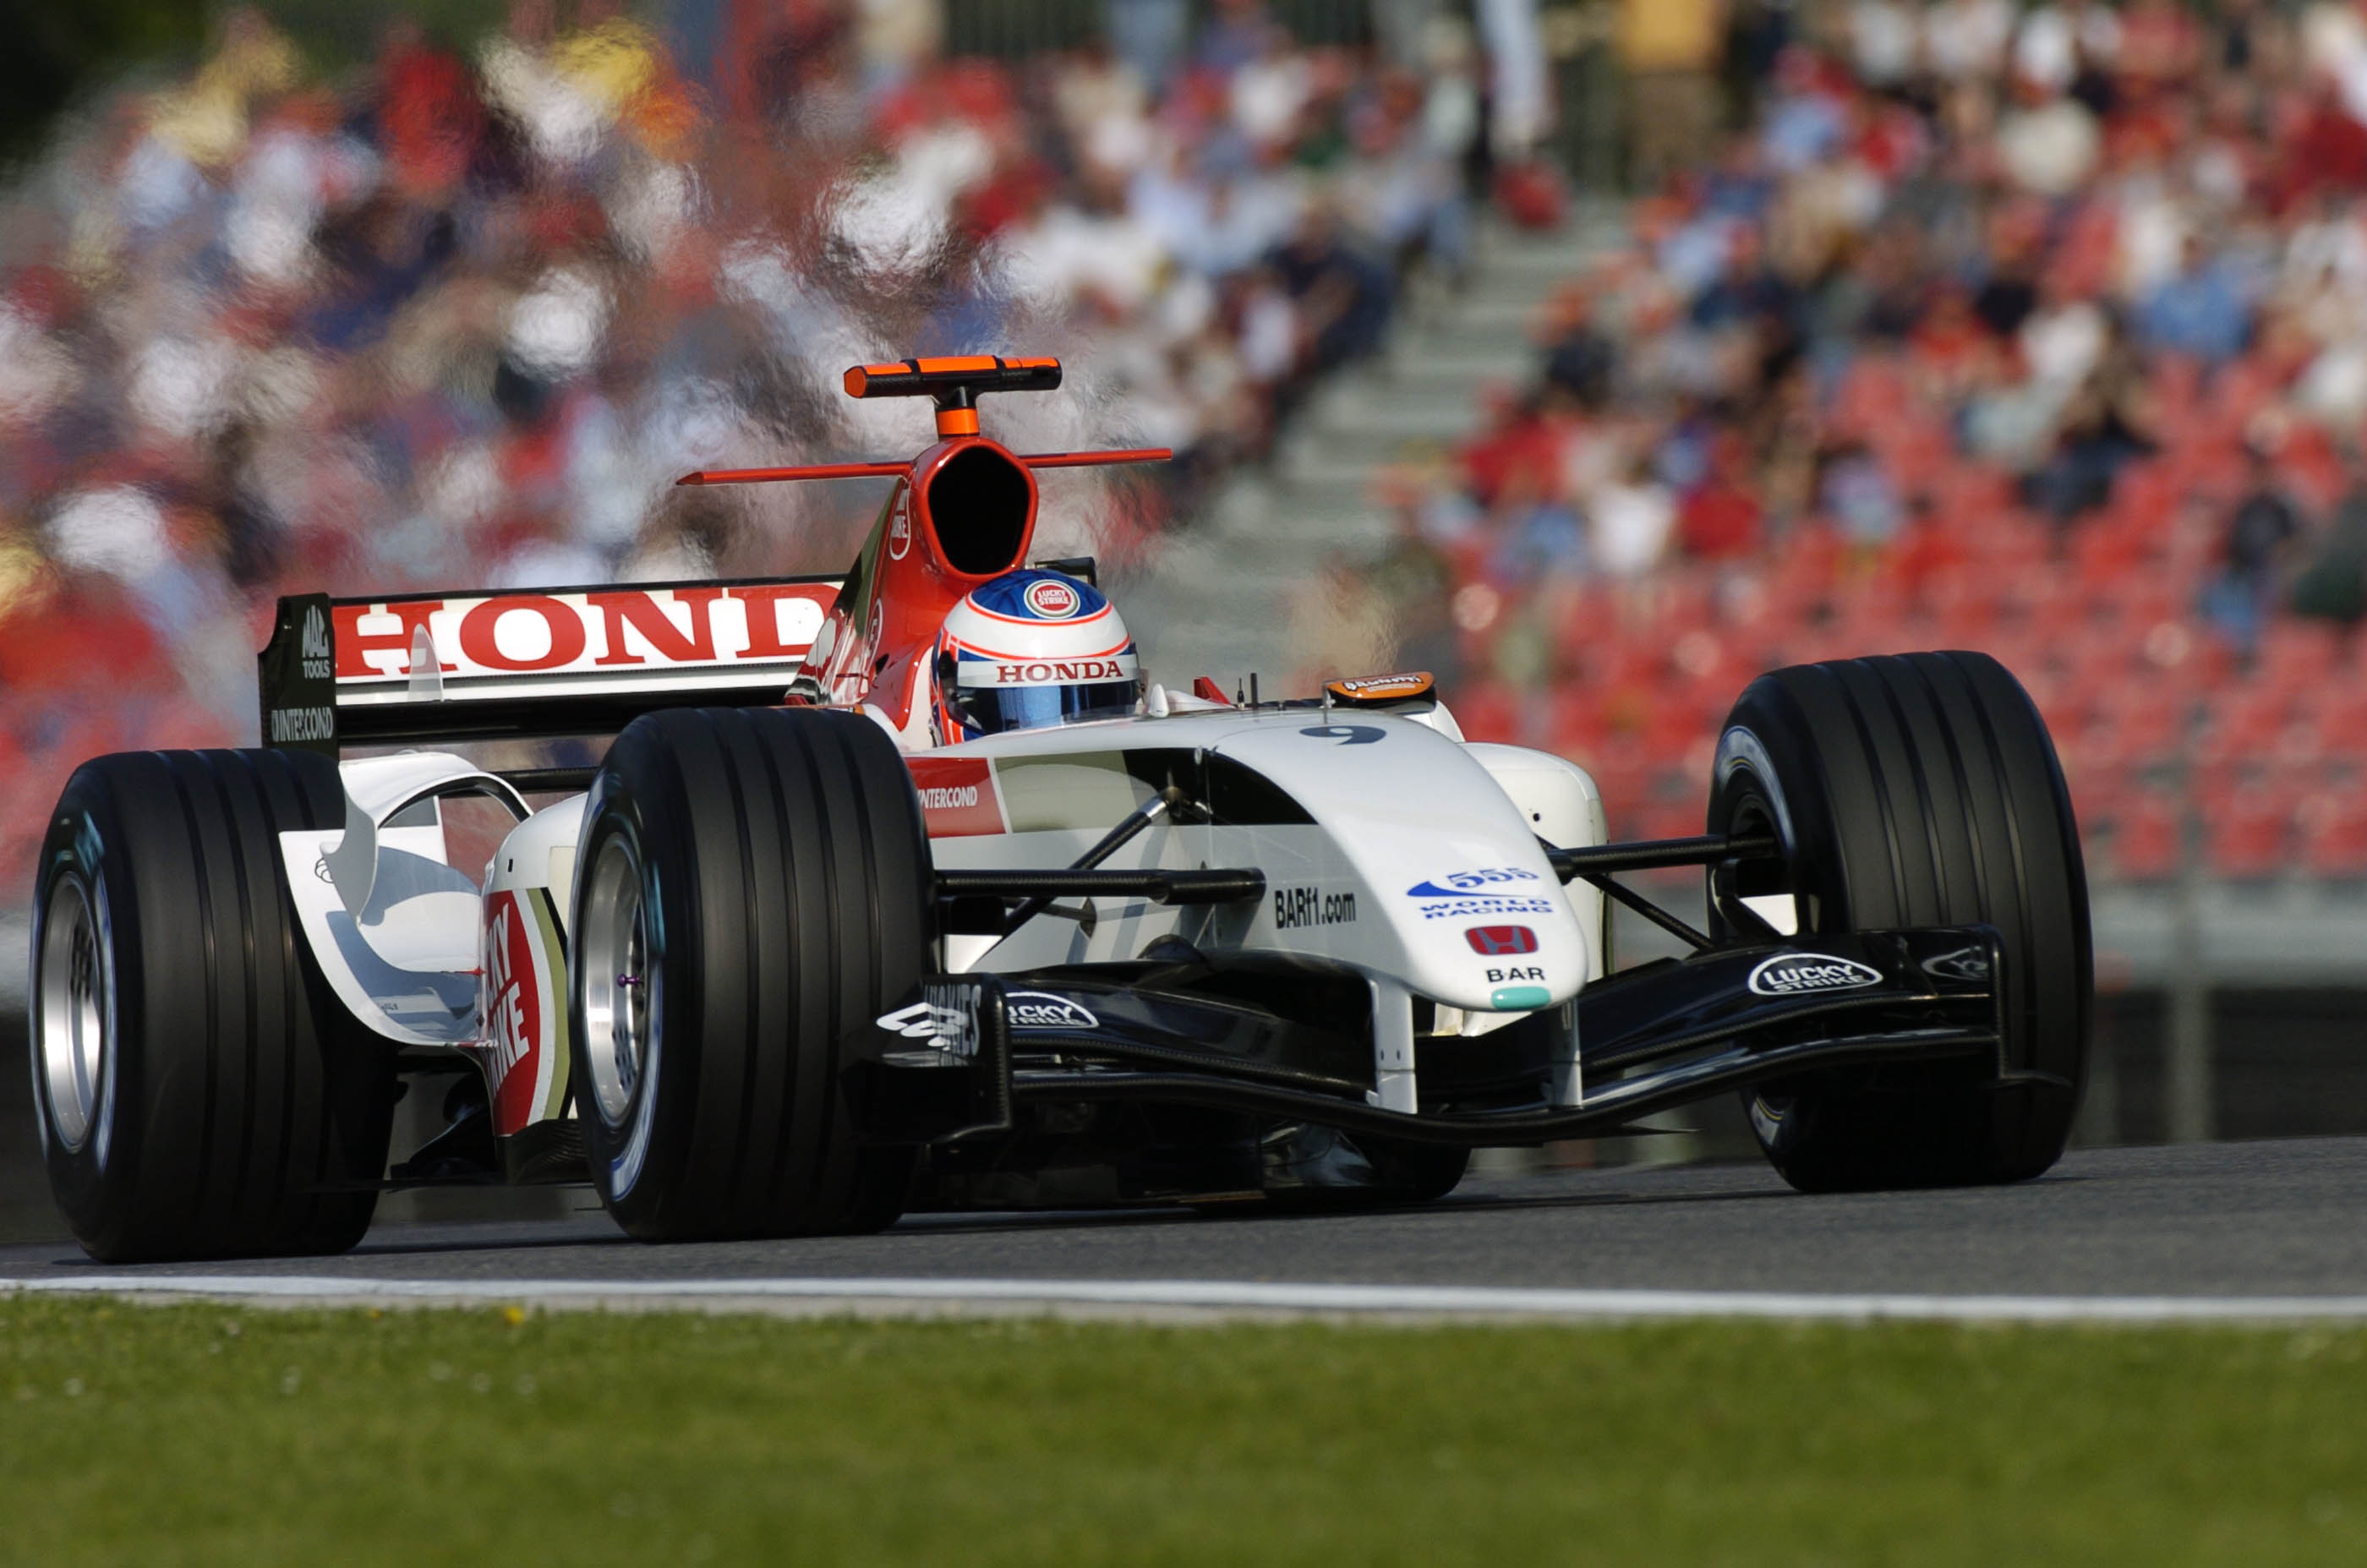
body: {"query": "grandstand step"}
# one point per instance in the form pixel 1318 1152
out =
pixel 1423 367
pixel 1314 468
pixel 1496 311
pixel 1245 588
pixel 1404 411
pixel 1366 447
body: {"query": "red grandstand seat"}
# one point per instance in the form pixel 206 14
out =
pixel 2147 719
pixel 2242 723
pixel 2246 831
pixel 2099 662
pixel 2141 602
pixel 1574 721
pixel 1487 710
pixel 2333 834
pixel 2147 837
pixel 2296 654
pixel 1670 815
pixel 2340 710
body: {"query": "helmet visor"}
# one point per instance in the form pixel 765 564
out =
pixel 991 710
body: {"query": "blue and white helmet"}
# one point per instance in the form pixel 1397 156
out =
pixel 1031 648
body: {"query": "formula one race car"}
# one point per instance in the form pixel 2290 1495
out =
pixel 905 889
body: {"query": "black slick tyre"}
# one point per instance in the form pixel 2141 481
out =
pixel 1916 790
pixel 200 1090
pixel 753 887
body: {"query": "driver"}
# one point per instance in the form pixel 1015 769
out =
pixel 1031 648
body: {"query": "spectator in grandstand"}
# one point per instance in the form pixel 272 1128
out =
pixel 1958 340
pixel 463 318
pixel 1579 357
pixel 1720 517
pixel 2260 534
pixel 1632 516
pixel 1343 294
pixel 2203 309
pixel 2333 586
pixel 2101 429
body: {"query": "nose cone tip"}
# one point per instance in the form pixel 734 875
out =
pixel 1519 999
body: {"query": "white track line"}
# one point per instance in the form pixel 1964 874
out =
pixel 1166 1298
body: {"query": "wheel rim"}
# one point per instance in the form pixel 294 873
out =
pixel 74 1013
pixel 620 980
pixel 1753 806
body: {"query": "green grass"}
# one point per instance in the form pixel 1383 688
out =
pixel 159 1435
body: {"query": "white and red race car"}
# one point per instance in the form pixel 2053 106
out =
pixel 780 965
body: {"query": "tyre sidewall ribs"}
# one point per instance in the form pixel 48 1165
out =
pixel 1921 790
pixel 783 872
pixel 239 1110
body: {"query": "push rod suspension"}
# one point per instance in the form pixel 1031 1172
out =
pixel 1117 838
pixel 1222 886
pixel 1655 853
pixel 1596 864
pixel 1649 910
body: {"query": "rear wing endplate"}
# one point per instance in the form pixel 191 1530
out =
pixel 450 667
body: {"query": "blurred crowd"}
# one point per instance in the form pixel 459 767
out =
pixel 458 318
pixel 2041 330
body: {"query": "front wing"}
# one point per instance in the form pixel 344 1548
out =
pixel 965 1051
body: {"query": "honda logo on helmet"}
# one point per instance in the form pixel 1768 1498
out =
pixel 1499 942
pixel 1047 672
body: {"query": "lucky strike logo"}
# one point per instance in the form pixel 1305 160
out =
pixel 1799 974
pixel 1042 1010
pixel 1053 601
pixel 947 1016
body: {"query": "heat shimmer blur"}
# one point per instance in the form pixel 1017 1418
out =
pixel 456 320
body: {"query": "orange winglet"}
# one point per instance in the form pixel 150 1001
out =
pixel 804 471
pixel 890 470
pixel 1397 688
pixel 953 379
pixel 1089 459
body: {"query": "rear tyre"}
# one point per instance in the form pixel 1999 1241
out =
pixel 200 1091
pixel 1916 790
pixel 753 886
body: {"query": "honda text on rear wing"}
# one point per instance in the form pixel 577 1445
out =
pixel 445 666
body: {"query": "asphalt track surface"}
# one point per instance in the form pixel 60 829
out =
pixel 2216 1230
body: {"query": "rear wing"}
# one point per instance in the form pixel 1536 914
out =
pixel 451 667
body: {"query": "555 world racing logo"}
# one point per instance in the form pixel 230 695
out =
pixel 1492 890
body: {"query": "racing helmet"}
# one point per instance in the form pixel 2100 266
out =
pixel 1031 648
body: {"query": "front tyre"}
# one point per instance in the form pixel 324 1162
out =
pixel 753 888
pixel 1916 790
pixel 200 1091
